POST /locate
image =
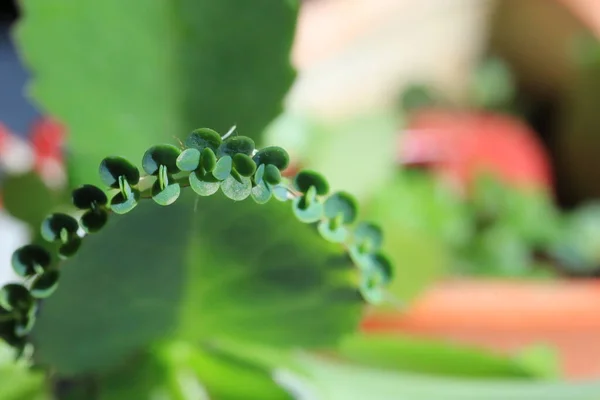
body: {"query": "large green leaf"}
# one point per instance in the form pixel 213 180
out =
pixel 337 381
pixel 124 75
pixel 237 270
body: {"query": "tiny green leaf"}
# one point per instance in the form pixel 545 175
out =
pixel 69 249
pixel 25 324
pixel 56 223
pixel 335 234
pixel 272 175
pixel 188 160
pixel 208 159
pixel 235 190
pixel 244 164
pixel 14 296
pixel 111 168
pixel 280 192
pixel 235 145
pixel 371 287
pixel 341 203
pixel 122 205
pixel 44 285
pixel 203 138
pixel 87 197
pixel 223 168
pixel 258 176
pixel 94 220
pixel 306 178
pixel 273 155
pixel 167 195
pixel 27 260
pixel 369 236
pixel 307 213
pixel 261 193
pixel 203 185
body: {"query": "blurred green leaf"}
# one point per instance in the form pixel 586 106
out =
pixel 162 69
pixel 402 353
pixel 229 270
pixel 17 381
pixel 337 381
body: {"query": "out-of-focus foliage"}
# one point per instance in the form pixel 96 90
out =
pixel 17 381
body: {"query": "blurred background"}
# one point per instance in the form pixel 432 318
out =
pixel 468 129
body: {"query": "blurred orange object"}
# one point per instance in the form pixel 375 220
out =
pixel 460 145
pixel 508 316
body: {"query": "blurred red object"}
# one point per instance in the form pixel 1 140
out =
pixel 47 138
pixel 460 145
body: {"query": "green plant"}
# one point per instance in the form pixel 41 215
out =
pixel 207 163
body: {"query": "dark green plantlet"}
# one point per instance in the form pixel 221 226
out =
pixel 383 264
pixel 30 259
pixel 94 220
pixel 111 168
pixel 235 190
pixel 162 155
pixel 88 197
pixel 261 193
pixel 188 160
pixel 203 138
pixel 59 227
pixel 24 325
pixel 204 184
pixel 272 175
pixel 121 204
pixel 272 155
pixel 69 249
pixel 306 178
pixel 244 165
pixel 236 144
pixel 341 203
pixel 208 159
pixel 45 284
pixel 16 297
pixel 368 237
pixel 223 168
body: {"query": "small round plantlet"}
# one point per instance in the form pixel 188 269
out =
pixel 261 193
pixel 235 190
pixel 341 203
pixel 88 197
pixel 272 174
pixel 368 237
pixel 307 208
pixel 45 284
pixel 204 184
pixel 236 144
pixel 208 159
pixel 25 324
pixel 307 178
pixel 244 164
pixel 69 249
pixel 111 168
pixel 94 220
pixel 371 287
pixel 272 155
pixel 383 264
pixel 14 296
pixel 30 259
pixel 280 192
pixel 223 168
pixel 120 204
pixel 165 190
pixel 202 138
pixel 59 227
pixel 162 155
pixel 188 160
pixel 336 233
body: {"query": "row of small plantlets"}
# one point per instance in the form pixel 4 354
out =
pixel 206 163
